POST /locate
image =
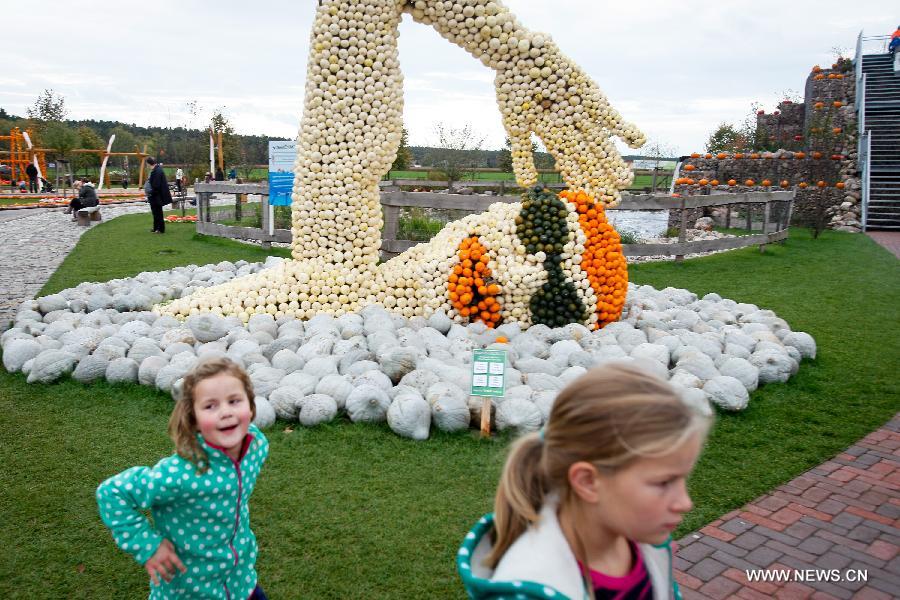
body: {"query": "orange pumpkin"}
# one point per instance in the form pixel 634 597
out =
pixel 821 184
pixel 799 154
pixel 803 184
pixel 695 155
pixel 703 182
pixel 766 182
pixel 707 156
pixel 816 68
pixel 817 155
pixel 839 185
pixel 689 167
pixel 838 104
pixel 732 182
pixel 785 183
pixel 836 130
pixel 819 105
pixel 739 155
pixel 754 155
pixel 721 156
pixel 714 182
pixel 819 77
pixel 749 183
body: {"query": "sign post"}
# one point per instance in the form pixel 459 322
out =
pixel 281 173
pixel 488 381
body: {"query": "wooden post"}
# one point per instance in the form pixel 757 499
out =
pixel 486 417
pixel 221 157
pixel 727 216
pixel 749 216
pixel 682 229
pixel 766 215
pixel 238 199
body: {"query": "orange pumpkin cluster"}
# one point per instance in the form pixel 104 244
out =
pixel 602 259
pixel 470 288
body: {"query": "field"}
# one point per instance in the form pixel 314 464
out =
pixel 347 511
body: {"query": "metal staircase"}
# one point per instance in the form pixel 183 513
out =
pixel 878 106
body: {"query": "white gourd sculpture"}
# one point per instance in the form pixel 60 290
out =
pixel 546 260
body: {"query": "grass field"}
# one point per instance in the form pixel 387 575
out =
pixel 347 511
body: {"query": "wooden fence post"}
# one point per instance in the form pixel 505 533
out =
pixel 749 217
pixel 682 229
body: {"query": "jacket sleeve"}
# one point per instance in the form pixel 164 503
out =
pixel 122 497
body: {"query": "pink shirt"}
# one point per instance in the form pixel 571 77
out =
pixel 635 585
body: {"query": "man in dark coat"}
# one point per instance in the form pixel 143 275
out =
pixel 32 173
pixel 159 195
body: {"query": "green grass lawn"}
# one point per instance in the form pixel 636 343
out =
pixel 346 511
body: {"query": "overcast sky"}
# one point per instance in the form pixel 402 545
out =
pixel 676 70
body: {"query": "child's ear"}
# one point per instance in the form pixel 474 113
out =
pixel 584 481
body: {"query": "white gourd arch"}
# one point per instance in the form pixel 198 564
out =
pixel 349 135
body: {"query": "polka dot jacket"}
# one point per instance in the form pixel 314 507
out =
pixel 205 515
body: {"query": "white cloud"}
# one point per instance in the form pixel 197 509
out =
pixel 675 70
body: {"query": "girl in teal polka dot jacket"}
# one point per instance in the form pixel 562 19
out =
pixel 199 544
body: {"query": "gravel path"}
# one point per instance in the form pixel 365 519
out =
pixel 35 242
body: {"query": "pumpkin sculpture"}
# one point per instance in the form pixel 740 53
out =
pixel 550 259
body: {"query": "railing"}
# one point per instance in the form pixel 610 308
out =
pixel 393 201
pixel 873 44
pixel 266 234
pixel 865 166
pixel 861 104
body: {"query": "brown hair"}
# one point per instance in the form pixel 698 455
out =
pixel 183 421
pixel 609 417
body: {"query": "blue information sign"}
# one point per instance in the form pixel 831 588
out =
pixel 281 172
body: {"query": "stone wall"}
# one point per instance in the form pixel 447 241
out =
pixel 816 155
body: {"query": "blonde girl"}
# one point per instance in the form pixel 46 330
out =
pixel 586 508
pixel 199 543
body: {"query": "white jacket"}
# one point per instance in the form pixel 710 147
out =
pixel 542 555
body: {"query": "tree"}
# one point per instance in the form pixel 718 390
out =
pixel 656 150
pixel 726 138
pixel 504 158
pixel 451 156
pixel 401 163
pixel 49 106
pixel 87 138
pixel 221 124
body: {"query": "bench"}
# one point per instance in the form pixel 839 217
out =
pixel 86 215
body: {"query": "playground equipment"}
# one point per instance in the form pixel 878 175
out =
pixel 20 154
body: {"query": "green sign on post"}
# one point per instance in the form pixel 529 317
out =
pixel 488 373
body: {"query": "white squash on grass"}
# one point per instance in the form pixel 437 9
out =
pixel 91 368
pixel 335 386
pixel 287 361
pixel 409 415
pixel 320 366
pixel 50 365
pixel 285 400
pixel 304 382
pixel 420 379
pixel 518 414
pixel 727 392
pixel 265 379
pixel 316 409
pixel 122 370
pixel 397 362
pixel 17 352
pixel 368 403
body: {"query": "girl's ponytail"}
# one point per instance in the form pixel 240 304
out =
pixel 519 495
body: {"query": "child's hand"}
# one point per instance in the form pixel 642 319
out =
pixel 163 563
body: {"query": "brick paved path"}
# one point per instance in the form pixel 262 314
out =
pixel 888 239
pixel 843 514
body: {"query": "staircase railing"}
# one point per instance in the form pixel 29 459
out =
pixel 857 63
pixel 864 162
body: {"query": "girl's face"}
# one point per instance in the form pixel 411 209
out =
pixel 646 501
pixel 223 412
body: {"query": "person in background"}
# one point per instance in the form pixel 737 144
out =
pixel 87 197
pixel 32 173
pixel 160 195
pixel 220 175
pixel 124 180
pixel 232 174
pixel 179 179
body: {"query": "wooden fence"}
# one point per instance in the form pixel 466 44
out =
pixel 774 223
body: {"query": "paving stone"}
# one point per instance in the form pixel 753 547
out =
pixel 749 540
pixel 695 552
pixel 831 506
pixel 882 550
pixel 720 588
pixel 736 526
pixel 847 520
pixel 800 530
pixel 706 569
pixel 795 591
pixel 833 560
pixel 864 534
pixel 815 545
pixel 763 556
pixel 730 548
